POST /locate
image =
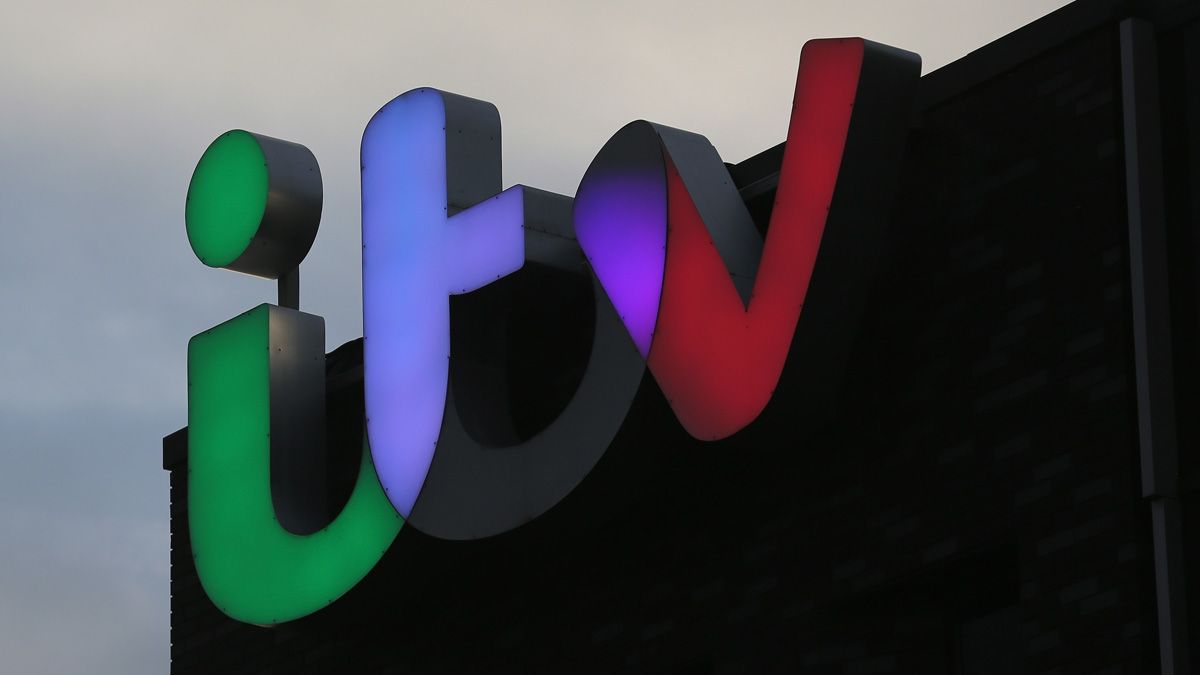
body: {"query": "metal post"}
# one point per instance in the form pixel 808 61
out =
pixel 289 289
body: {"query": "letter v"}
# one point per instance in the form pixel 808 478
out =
pixel 675 248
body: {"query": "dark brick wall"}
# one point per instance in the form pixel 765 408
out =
pixel 981 470
pixel 1180 58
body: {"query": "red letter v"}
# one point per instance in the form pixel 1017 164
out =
pixel 716 353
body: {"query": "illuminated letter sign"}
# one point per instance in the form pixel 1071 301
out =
pixel 434 226
pixel 264 549
pixel 453 269
pixel 427 233
pixel 670 239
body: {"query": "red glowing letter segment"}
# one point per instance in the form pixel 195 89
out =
pixel 715 340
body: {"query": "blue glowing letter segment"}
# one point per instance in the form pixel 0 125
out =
pixel 415 255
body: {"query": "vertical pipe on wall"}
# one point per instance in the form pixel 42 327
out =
pixel 1153 365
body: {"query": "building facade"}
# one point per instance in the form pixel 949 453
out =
pixel 1005 484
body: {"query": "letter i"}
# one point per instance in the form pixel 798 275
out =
pixel 263 545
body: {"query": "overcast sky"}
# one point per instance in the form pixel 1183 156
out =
pixel 105 109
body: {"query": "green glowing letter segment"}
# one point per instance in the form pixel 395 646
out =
pixel 253 568
pixel 254 204
pixel 227 198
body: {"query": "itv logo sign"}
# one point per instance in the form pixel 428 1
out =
pixel 657 250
